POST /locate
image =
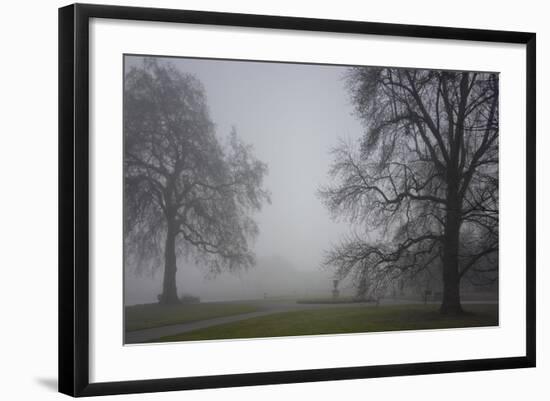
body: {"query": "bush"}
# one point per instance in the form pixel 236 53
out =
pixel 189 299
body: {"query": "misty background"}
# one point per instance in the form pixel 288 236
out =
pixel 293 115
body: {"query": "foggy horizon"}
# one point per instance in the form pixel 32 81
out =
pixel 292 115
pixel 274 199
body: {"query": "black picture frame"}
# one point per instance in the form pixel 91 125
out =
pixel 74 201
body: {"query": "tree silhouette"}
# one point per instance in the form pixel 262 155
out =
pixel 423 179
pixel 185 193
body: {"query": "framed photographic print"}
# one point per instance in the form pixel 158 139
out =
pixel 250 199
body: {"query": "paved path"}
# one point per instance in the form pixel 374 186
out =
pixel 266 308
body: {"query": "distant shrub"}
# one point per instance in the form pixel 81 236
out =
pixel 189 299
pixel 365 298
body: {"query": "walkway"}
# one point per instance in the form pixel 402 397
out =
pixel 267 308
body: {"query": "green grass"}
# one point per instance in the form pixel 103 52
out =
pixel 345 320
pixel 330 300
pixel 154 315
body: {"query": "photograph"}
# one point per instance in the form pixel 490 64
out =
pixel 268 199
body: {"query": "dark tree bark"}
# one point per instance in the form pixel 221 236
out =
pixel 451 279
pixel 169 291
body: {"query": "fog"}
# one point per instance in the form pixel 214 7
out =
pixel 292 114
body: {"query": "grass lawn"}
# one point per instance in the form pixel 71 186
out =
pixel 154 315
pixel 330 300
pixel 345 320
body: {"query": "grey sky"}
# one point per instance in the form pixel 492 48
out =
pixel 292 114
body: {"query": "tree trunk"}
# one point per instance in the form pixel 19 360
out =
pixel 451 278
pixel 169 294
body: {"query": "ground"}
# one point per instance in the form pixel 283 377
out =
pixel 267 319
pixel 344 320
pixel 146 316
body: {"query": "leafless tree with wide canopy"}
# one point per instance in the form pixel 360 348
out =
pixel 185 192
pixel 422 181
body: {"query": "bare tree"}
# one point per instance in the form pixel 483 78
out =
pixel 423 180
pixel 185 193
